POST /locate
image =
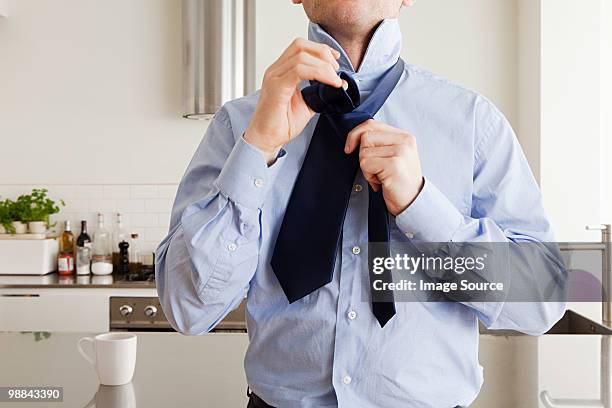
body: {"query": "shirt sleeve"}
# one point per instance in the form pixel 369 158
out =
pixel 205 264
pixel 506 207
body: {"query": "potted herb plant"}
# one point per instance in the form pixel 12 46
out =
pixel 5 217
pixel 38 208
pixel 18 211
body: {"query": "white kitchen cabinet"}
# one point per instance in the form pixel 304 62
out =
pixel 59 310
pixel 31 310
pixel 569 368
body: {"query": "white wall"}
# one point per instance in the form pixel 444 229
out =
pixel 570 116
pixel 606 109
pixel 528 81
pixel 91 90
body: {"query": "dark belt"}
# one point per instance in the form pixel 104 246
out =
pixel 256 402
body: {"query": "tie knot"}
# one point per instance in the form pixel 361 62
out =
pixel 326 99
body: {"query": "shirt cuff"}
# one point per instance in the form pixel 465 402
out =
pixel 431 217
pixel 246 177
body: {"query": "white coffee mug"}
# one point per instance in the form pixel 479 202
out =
pixel 114 356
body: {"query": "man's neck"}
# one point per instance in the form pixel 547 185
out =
pixel 354 44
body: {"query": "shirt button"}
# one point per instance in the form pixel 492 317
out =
pixel 352 315
pixel 347 380
pixel 231 247
pixel 358 188
pixel 356 250
pixel 258 182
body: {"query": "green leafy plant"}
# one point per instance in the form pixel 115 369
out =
pixel 6 215
pixel 19 209
pixel 37 206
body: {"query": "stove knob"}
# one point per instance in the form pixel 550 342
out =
pixel 150 311
pixel 126 310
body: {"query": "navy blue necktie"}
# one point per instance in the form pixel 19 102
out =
pixel 305 251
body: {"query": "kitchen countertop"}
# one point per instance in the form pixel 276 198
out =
pixel 171 370
pixel 207 371
pixel 53 280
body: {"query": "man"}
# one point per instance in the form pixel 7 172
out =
pixel 467 181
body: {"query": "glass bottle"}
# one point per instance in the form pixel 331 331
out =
pixel 134 254
pixel 119 235
pixel 83 260
pixel 83 251
pixel 101 258
pixel 65 260
pixel 84 240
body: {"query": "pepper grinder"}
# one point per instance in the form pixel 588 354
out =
pixel 124 259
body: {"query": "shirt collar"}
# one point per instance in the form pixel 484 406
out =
pixel 382 52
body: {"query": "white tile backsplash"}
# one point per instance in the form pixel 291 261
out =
pixel 90 191
pixel 143 191
pixel 145 207
pixel 144 220
pixel 158 205
pixel 163 220
pixel 167 190
pixel 130 205
pixel 116 191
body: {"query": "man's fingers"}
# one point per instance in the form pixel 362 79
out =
pixel 370 167
pixel 305 67
pixel 382 151
pixel 303 58
pixel 374 125
pixel 375 133
pixel 321 51
pixel 376 137
pixel 316 73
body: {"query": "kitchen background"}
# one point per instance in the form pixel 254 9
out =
pixel 91 97
pixel 90 108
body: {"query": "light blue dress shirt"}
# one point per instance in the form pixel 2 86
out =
pixel 327 349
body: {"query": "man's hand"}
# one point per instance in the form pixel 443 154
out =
pixel 281 113
pixel 389 160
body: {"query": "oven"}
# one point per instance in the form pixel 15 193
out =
pixel 145 314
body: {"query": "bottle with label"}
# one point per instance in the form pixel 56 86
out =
pixel 65 260
pixel 101 259
pixel 119 235
pixel 83 251
pixel 135 255
pixel 83 240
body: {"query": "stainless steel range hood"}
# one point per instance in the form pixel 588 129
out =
pixel 218 54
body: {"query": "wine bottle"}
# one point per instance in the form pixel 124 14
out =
pixel 83 240
pixel 65 260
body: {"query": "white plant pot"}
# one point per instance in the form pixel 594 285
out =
pixel 37 227
pixel 2 229
pixel 20 227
